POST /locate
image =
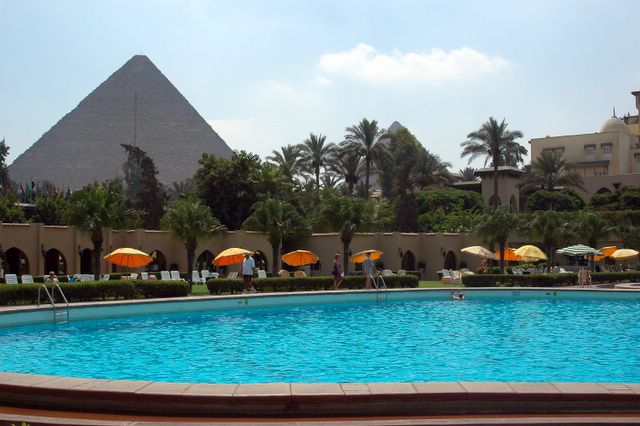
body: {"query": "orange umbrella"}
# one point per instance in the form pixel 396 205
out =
pixel 606 252
pixel 300 257
pixel 230 256
pixel 128 257
pixel 509 255
pixel 359 257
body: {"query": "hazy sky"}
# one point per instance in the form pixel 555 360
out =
pixel 266 73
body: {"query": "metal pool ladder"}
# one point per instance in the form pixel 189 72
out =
pixel 381 287
pixel 59 316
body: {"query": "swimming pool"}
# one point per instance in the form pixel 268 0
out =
pixel 528 336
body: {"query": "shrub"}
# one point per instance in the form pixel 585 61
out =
pixel 533 280
pixel 155 289
pixel 614 277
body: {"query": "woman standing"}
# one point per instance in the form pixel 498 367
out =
pixel 337 271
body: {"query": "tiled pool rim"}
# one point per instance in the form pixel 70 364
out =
pixel 312 399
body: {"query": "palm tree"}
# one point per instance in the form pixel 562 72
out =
pixel 551 227
pixel 278 219
pixel 288 160
pixel 189 222
pixel 348 165
pixel 494 142
pixel 592 228
pixel 468 174
pixel 495 227
pixel 93 209
pixel 365 139
pixel 316 155
pixel 550 171
pixel 430 170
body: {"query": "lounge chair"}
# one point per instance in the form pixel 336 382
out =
pixel 401 272
pixel 456 277
pixel 299 274
pixel 283 273
pixel 27 279
pixel 144 275
pixel 195 277
pixel 232 275
pixel 175 276
pixel 262 273
pixel 446 277
pixel 105 277
pixel 205 275
pixel 11 278
pixel 134 275
pixel 165 276
pixel 387 272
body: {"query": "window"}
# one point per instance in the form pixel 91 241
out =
pixel 590 152
pixel 606 151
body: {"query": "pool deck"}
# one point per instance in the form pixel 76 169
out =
pixel 320 400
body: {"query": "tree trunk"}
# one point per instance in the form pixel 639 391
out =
pixel 495 184
pixel 501 245
pixel 345 264
pixel 97 257
pixel 275 251
pixel 366 180
pixel 191 254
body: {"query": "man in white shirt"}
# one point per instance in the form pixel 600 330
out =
pixel 248 265
pixel 368 268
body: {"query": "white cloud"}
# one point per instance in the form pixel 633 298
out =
pixel 321 81
pixel 437 66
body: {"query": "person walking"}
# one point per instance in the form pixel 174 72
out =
pixel 248 266
pixel 368 268
pixel 336 271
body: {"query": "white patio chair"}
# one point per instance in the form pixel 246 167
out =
pixel 262 273
pixel 387 272
pixel 214 275
pixel 105 277
pixel 144 275
pixel 401 272
pixel 26 279
pixel 175 276
pixel 205 275
pixel 456 277
pixel 165 276
pixel 134 275
pixel 87 277
pixel 446 277
pixel 11 278
pixel 196 279
pixel 232 275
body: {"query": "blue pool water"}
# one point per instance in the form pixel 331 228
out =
pixel 428 340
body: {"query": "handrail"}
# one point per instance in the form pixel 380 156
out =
pixel 51 297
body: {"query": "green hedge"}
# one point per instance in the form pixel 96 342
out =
pixel 87 291
pixel 615 277
pixel 223 285
pixel 533 280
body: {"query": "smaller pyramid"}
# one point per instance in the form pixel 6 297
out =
pixel 137 105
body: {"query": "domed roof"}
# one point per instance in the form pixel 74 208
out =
pixel 614 124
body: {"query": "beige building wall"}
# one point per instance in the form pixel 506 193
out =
pixel 401 250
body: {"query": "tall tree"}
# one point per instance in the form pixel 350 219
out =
pixel 316 154
pixel 549 171
pixel 496 144
pixel 468 174
pixel 592 227
pixel 365 139
pixel 189 222
pixel 4 170
pixel 93 209
pixel 496 227
pixel 552 228
pixel 279 220
pixel 348 165
pixel 151 198
pixel 288 159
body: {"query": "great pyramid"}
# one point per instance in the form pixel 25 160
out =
pixel 136 104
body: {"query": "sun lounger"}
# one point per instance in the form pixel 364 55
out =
pixel 27 279
pixel 11 278
pixel 262 273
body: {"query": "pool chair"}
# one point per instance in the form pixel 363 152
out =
pixel 283 273
pixel 232 275
pixel 401 272
pixel 205 275
pixel 144 275
pixel 175 276
pixel 105 277
pixel 299 274
pixel 134 275
pixel 446 277
pixel 11 278
pixel 165 276
pixel 387 272
pixel 456 277
pixel 262 273
pixel 195 277
pixel 27 279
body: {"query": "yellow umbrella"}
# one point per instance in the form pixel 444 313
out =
pixel 606 252
pixel 129 257
pixel 623 254
pixel 300 257
pixel 230 256
pixel 480 252
pixel 530 253
pixel 509 255
pixel 359 257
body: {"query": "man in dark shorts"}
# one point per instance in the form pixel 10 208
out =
pixel 248 265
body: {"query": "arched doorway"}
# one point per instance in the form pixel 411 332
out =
pixel 450 261
pixel 494 201
pixel 54 261
pixel 86 261
pixel 603 190
pixel 15 262
pixel 158 262
pixel 513 204
pixel 408 261
pixel 261 260
pixel 204 261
